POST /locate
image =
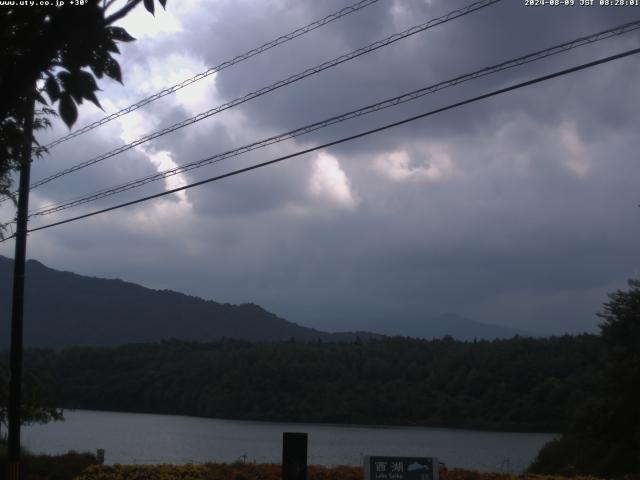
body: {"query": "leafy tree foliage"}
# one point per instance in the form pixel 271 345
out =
pixel 518 384
pixel 605 436
pixel 59 51
pixel 37 405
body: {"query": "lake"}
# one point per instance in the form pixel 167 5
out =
pixel 145 438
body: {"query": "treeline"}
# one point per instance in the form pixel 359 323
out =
pixel 603 437
pixel 518 384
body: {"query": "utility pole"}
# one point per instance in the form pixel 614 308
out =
pixel 17 306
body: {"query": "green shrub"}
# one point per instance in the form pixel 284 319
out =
pixel 49 467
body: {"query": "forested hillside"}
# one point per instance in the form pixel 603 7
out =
pixel 517 384
pixel 64 309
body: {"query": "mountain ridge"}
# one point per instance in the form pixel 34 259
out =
pixel 77 310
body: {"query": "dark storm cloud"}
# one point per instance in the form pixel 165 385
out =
pixel 494 34
pixel 519 210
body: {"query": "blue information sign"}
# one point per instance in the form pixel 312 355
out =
pixel 400 468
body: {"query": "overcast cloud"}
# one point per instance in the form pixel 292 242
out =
pixel 521 210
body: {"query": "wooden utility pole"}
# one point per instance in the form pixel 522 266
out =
pixel 17 306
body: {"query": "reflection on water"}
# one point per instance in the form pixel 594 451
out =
pixel 143 438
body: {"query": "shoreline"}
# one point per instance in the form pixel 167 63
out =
pixel 409 426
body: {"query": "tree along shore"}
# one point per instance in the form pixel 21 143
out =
pixel 521 384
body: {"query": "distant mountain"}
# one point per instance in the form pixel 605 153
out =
pixel 66 309
pixel 458 327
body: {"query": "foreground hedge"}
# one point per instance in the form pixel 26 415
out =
pixel 49 467
pixel 253 471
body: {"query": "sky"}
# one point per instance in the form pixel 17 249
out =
pixel 520 210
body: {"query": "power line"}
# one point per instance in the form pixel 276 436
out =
pixel 228 63
pixel 531 57
pixel 289 80
pixel 349 138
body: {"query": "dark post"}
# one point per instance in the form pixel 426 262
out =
pixel 17 307
pixel 294 456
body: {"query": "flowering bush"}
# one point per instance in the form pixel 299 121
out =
pixel 254 471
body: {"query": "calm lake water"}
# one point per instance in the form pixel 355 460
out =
pixel 142 438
